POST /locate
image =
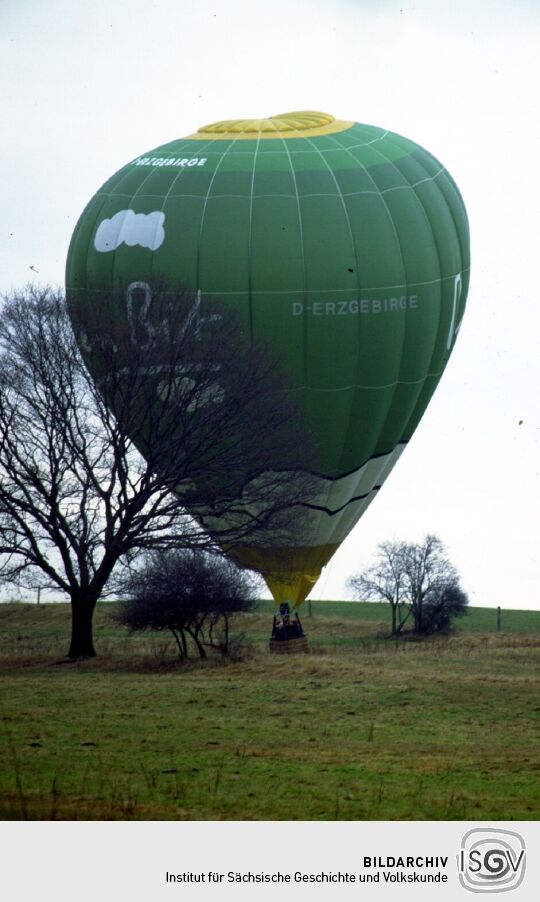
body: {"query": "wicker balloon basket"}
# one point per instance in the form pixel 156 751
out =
pixel 297 646
pixel 288 637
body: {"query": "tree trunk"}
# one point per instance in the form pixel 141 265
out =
pixel 226 634
pixel 418 620
pixel 82 640
pixel 180 642
pixel 198 643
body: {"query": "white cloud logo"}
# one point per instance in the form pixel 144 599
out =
pixel 128 227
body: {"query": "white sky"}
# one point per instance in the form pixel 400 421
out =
pixel 86 87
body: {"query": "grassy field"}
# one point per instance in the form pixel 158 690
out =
pixel 362 728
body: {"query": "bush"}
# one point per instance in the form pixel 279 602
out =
pixel 190 593
pixel 442 606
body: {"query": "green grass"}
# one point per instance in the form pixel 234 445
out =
pixel 362 728
pixel 477 620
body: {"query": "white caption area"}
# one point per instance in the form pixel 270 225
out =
pixel 130 228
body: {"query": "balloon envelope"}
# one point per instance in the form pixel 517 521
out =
pixel 343 245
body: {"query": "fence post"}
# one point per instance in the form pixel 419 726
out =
pixel 38 595
pixel 498 619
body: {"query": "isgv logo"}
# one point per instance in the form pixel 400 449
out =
pixel 491 861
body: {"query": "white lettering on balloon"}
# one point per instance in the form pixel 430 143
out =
pixel 356 307
pixel 170 161
pixel 453 331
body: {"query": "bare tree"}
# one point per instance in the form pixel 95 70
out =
pixel 418 581
pixel 432 583
pixel 386 581
pixel 182 437
pixel 190 593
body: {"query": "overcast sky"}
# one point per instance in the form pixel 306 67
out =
pixel 87 87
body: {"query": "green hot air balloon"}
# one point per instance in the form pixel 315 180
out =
pixel 344 246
